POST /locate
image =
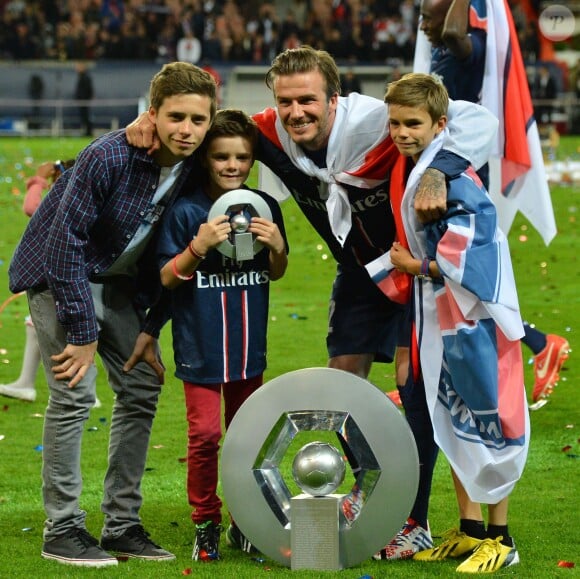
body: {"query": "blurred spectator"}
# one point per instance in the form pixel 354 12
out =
pixel 188 46
pixel 84 91
pixel 349 82
pixel 167 40
pixel 206 65
pixel 544 90
pixel 269 28
pixel 24 45
pixel 290 29
pixel 112 14
pixel 529 42
pixel 228 30
pixel 36 93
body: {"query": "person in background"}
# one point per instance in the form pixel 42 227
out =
pixel 84 91
pixel 456 30
pixel 219 328
pixel 350 82
pixel 545 91
pixel 24 388
pixel 87 262
pixel 466 306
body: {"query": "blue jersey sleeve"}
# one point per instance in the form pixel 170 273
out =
pixel 449 163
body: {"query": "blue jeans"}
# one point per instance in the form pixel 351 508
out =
pixel 136 395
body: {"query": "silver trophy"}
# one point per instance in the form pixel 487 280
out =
pixel 318 529
pixel 240 205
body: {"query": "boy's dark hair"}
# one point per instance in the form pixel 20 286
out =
pixel 305 59
pixel 182 78
pixel 419 90
pixel 231 123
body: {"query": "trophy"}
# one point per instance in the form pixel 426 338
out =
pixel 240 205
pixel 319 528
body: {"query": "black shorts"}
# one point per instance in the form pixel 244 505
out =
pixel 362 320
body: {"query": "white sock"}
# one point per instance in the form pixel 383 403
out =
pixel 30 362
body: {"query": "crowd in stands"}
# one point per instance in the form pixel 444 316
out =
pixel 249 32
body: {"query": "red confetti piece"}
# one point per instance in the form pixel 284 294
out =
pixel 566 448
pixel 565 564
pixel 186 571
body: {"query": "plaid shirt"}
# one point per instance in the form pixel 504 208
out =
pixel 82 226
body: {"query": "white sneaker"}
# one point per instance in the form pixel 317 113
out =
pixel 411 539
pixel 22 393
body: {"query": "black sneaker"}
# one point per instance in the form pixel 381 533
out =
pixel 135 542
pixel 237 540
pixel 77 547
pixel 206 545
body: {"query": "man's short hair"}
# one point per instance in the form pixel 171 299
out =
pixel 305 59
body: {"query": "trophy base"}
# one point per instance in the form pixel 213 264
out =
pixel 314 537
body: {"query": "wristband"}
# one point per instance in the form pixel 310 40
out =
pixel 424 271
pixel 195 253
pixel 176 273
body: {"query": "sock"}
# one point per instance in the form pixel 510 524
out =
pixel 417 415
pixel 534 339
pixel 30 361
pixel 495 531
pixel 473 528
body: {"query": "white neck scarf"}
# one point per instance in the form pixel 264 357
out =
pixel 359 127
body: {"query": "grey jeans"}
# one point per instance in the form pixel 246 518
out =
pixel 136 395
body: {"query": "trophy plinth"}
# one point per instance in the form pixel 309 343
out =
pixel 314 532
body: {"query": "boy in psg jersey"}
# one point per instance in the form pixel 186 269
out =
pixel 219 311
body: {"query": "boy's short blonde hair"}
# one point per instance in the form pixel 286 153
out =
pixel 419 90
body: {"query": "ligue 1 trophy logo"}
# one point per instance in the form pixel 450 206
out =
pixel 319 528
pixel 241 205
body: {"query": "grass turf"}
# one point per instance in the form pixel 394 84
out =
pixel 544 510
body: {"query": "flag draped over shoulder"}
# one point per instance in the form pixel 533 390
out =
pixel 468 327
pixel 359 153
pixel 518 179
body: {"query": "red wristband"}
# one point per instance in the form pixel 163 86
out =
pixel 176 273
pixel 193 252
